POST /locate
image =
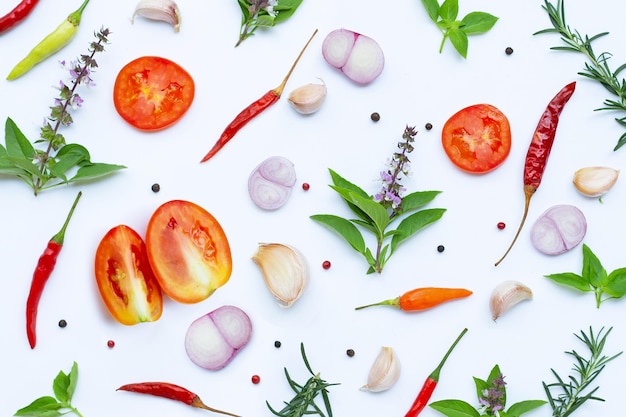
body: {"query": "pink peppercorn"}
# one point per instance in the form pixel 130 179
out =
pixel 501 225
pixel 255 379
pixel 326 264
pixel 111 344
pixel 306 186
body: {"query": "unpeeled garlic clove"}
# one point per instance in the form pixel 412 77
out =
pixel 595 181
pixel 163 10
pixel 285 271
pixel 385 371
pixel 506 295
pixel 308 98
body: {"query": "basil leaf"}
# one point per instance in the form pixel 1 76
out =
pixel 344 228
pixel 432 8
pixel 459 41
pixel 481 385
pixel 449 10
pixel 416 200
pixel 73 377
pixel 339 181
pixel 60 385
pixel 477 22
pixel 616 283
pixel 454 408
pixel 285 9
pixel 413 224
pixel 245 10
pixel 16 143
pixel 264 20
pixel 39 406
pixel 95 170
pixel 374 213
pixel 571 279
pixel 522 407
pixel 593 271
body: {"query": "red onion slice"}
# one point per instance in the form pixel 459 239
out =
pixel 558 229
pixel 271 182
pixel 213 340
pixel 359 57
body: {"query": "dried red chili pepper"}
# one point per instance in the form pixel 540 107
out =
pixel 539 150
pixel 172 392
pixel 253 109
pixel 431 382
pixel 44 269
pixel 15 16
pixel 423 298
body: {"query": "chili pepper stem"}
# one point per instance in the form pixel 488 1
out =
pixel 529 190
pixel 60 236
pixel 197 403
pixel 279 90
pixel 435 374
pixel 394 302
pixel 74 18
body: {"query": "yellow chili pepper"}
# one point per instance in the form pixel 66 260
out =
pixel 52 43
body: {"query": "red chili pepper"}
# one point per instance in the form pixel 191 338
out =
pixel 253 109
pixel 15 16
pixel 423 298
pixel 172 392
pixel 539 150
pixel 44 269
pixel 431 382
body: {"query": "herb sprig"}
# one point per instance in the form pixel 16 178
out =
pixel 49 167
pixel 573 387
pixel 597 67
pixel 491 395
pixel 377 213
pixel 594 278
pixel 303 403
pixel 63 386
pixel 445 17
pixel 263 13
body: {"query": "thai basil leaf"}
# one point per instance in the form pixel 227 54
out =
pixel 95 170
pixel 285 9
pixel 73 377
pixel 432 8
pixel 416 200
pixel 477 22
pixel 339 181
pixel 60 385
pixel 39 406
pixel 454 408
pixel 571 279
pixel 449 10
pixel 459 40
pixel 616 283
pixel 16 143
pixel 522 407
pixel 344 228
pixel 413 224
pixel 593 271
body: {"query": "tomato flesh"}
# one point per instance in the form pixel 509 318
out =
pixel 477 139
pixel 125 280
pixel 188 250
pixel 152 93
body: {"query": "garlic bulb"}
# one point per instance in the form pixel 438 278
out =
pixel 385 371
pixel 595 181
pixel 506 295
pixel 285 271
pixel 308 98
pixel 163 10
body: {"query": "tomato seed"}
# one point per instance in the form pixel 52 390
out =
pixel 111 344
pixel 306 186
pixel 156 188
pixel 277 344
pixel 62 323
pixel 326 264
pixel 350 352
pixel 508 50
pixel 375 117
pixel 501 225
pixel 428 126
pixel 440 248
pixel 255 379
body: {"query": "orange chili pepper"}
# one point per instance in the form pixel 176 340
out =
pixel 254 109
pixel 422 298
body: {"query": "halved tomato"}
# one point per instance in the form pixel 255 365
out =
pixel 152 93
pixel 477 139
pixel 125 280
pixel 188 251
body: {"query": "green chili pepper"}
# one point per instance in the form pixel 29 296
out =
pixel 52 43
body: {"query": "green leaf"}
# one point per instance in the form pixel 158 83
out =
pixel 477 22
pixel 616 283
pixel 340 181
pixel 413 224
pixel 455 408
pixel 417 199
pixel 432 8
pixel 64 163
pixel 95 170
pixel 73 376
pixel 17 144
pixel 39 406
pixel 373 211
pixel 459 41
pixel 344 228
pixel 285 9
pixel 264 20
pixel 522 407
pixel 24 164
pixel 449 10
pixel 571 279
pixel 481 385
pixel 60 385
pixel 593 271
pixel 245 11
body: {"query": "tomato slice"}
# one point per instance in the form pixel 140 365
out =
pixel 152 93
pixel 125 280
pixel 188 250
pixel 477 139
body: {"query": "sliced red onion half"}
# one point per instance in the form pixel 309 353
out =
pixel 271 182
pixel 357 56
pixel 213 340
pixel 558 229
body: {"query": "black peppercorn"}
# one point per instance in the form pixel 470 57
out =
pixel 277 344
pixel 440 248
pixel 375 116
pixel 508 50
pixel 350 352
pixel 62 323
pixel 156 188
pixel 428 126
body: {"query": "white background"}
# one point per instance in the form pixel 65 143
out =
pixel 417 86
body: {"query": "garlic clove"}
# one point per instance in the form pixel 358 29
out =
pixel 595 181
pixel 308 98
pixel 285 271
pixel 384 372
pixel 506 295
pixel 163 10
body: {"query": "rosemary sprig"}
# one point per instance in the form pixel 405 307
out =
pixel 303 403
pixel 586 370
pixel 597 67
